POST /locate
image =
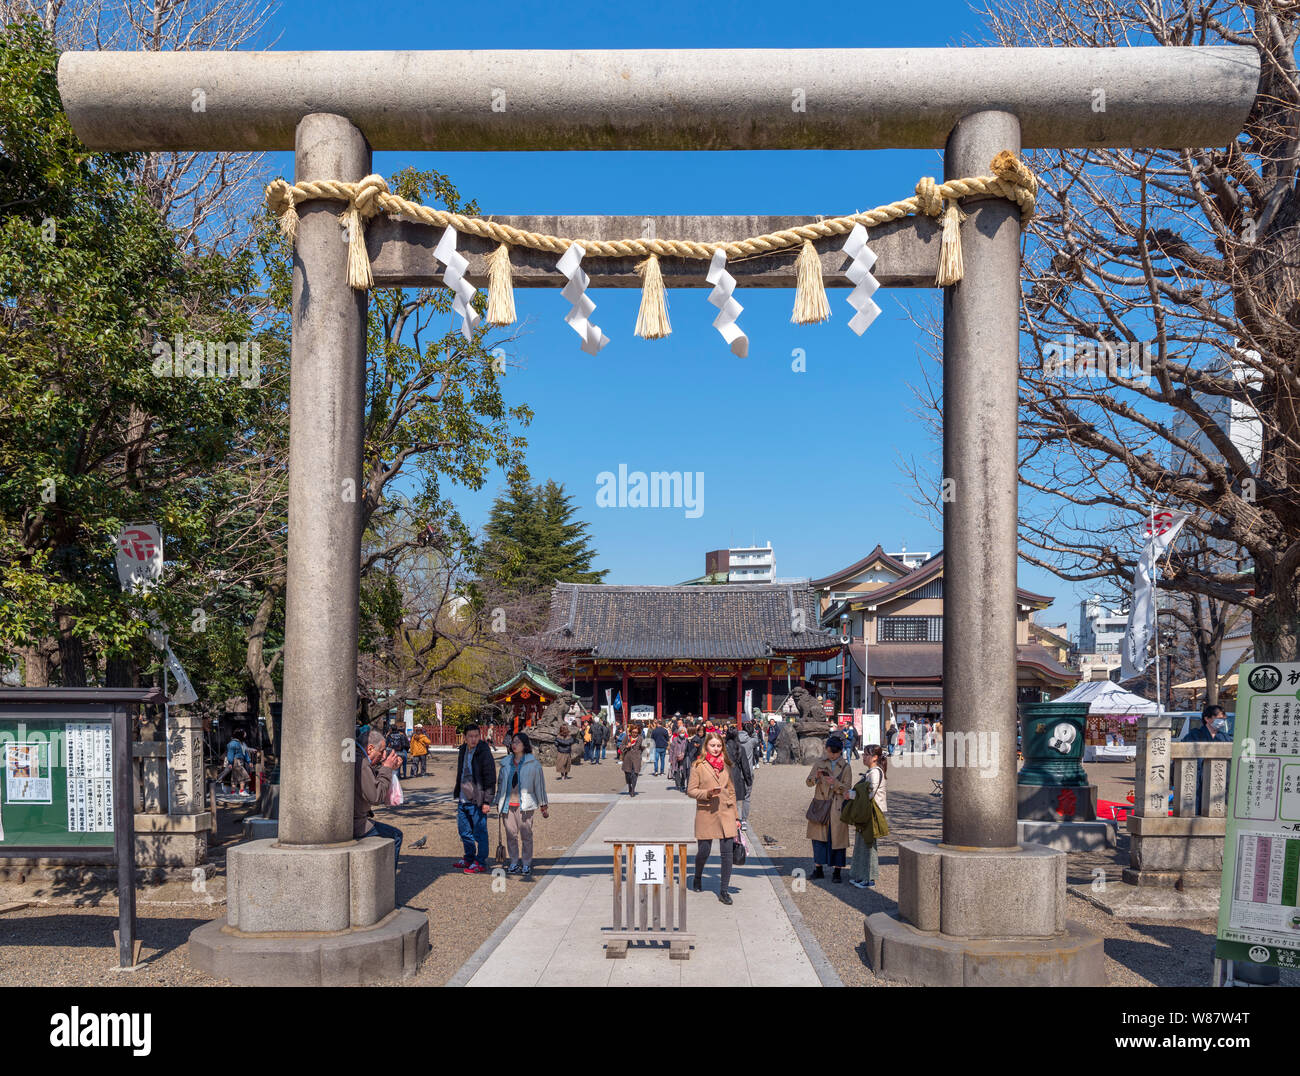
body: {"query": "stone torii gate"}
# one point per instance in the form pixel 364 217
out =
pixel 315 906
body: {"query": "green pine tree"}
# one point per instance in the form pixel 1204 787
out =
pixel 533 540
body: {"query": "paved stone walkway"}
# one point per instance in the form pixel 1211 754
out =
pixel 554 937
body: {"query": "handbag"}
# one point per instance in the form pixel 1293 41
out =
pixel 501 848
pixel 879 824
pixel 819 811
pixel 739 851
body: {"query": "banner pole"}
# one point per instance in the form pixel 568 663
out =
pixel 1155 598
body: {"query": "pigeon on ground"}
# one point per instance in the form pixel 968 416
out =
pixel 420 843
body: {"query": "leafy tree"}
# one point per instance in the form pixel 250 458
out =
pixel 91 278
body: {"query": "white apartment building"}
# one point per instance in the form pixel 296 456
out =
pixel 1101 631
pixel 749 564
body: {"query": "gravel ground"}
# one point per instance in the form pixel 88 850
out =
pixel 64 935
pixel 1138 952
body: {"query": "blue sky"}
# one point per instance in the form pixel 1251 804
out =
pixel 807 461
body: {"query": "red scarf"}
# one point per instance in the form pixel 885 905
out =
pixel 716 761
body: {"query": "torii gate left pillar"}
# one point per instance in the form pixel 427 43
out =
pixel 313 905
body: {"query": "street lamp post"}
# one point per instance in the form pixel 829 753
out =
pixel 844 658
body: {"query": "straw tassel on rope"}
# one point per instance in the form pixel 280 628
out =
pixel 810 303
pixel 289 222
pixel 280 197
pixel 501 293
pixel 358 260
pixel 652 319
pixel 951 268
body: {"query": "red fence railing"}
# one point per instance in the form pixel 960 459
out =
pixel 446 736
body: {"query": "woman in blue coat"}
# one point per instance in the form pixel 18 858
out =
pixel 521 791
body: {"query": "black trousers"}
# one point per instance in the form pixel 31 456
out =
pixel 631 780
pixel 702 854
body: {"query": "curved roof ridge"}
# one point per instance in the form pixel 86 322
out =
pixel 876 554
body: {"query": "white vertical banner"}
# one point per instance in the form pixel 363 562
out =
pixel 1160 532
pixel 139 556
pixel 437 706
pixel 749 705
pixel 408 716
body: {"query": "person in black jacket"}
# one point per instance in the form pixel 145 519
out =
pixel 742 770
pixel 694 746
pixel 400 746
pixel 599 733
pixel 477 784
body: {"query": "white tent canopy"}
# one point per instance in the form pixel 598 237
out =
pixel 1107 697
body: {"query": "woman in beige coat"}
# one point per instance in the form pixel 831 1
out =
pixel 831 778
pixel 715 809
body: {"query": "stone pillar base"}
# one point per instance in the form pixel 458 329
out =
pixel 391 949
pixel 901 953
pixel 272 887
pixel 982 893
pixel 311 915
pixel 971 916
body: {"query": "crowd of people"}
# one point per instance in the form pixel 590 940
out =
pixel 712 762
pixel 913 735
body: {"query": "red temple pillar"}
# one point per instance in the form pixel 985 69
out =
pixel 595 691
pixel 627 701
pixel 659 693
pixel 705 696
pixel 740 695
pixel 767 707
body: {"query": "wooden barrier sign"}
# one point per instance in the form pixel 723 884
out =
pixel 649 878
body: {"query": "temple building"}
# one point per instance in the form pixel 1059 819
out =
pixel 524 696
pixel 686 648
pixel 893 615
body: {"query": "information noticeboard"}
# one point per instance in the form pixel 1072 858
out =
pixel 1259 916
pixel 56 782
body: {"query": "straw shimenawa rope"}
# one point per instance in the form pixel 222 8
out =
pixel 366 199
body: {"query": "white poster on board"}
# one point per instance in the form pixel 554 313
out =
pixel 27 773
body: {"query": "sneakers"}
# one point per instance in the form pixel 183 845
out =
pixel 514 868
pixel 461 864
pixel 871 885
pixel 859 885
pixel 525 872
pixel 475 868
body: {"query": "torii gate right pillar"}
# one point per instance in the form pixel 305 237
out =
pixel 977 907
